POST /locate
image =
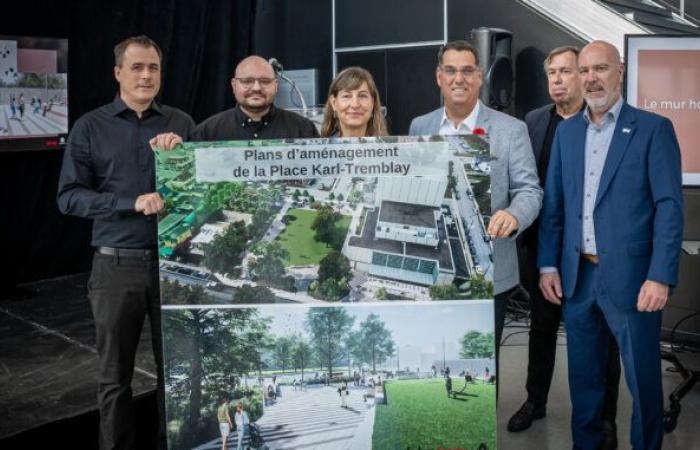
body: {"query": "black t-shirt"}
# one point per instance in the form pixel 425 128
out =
pixel 233 124
pixel 542 165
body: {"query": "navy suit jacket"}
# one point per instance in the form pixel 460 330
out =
pixel 638 214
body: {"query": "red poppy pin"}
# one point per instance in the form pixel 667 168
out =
pixel 479 131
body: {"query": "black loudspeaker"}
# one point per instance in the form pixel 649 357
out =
pixel 494 47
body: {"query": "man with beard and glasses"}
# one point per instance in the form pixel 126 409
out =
pixel 566 92
pixel 609 244
pixel 255 116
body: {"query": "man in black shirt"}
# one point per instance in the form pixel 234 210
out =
pixel 254 117
pixel 108 176
pixel 565 90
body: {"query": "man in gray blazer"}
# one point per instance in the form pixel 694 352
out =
pixel 516 196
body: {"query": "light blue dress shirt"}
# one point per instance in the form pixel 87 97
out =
pixel 598 138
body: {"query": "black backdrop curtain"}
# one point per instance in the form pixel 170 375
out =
pixel 201 42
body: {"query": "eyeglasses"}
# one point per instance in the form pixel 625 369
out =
pixel 450 71
pixel 249 82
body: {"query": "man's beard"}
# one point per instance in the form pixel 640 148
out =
pixel 602 103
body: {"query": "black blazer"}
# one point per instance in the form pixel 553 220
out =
pixel 537 122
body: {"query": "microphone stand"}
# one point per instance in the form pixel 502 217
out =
pixel 294 88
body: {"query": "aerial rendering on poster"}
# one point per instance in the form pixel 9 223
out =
pixel 326 220
pixel 356 376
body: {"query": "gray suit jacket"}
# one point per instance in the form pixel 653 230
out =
pixel 514 184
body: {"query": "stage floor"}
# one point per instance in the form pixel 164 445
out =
pixel 48 361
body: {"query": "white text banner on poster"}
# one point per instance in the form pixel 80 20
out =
pixel 321 160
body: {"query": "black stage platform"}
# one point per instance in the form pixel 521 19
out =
pixel 48 366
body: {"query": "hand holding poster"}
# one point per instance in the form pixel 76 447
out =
pixel 320 231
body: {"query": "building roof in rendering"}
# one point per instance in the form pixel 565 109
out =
pixel 408 214
pixel 369 241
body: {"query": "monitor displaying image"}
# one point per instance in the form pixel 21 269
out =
pixel 663 76
pixel 33 92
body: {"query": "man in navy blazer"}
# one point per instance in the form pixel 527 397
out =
pixel 566 92
pixel 609 244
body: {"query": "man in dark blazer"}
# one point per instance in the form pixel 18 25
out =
pixel 565 90
pixel 609 244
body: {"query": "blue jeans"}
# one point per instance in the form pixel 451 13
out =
pixel 241 435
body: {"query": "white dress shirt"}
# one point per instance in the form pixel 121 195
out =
pixel 464 127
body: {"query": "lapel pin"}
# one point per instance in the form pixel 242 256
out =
pixel 627 130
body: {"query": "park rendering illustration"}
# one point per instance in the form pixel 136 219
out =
pixel 341 232
pixel 408 375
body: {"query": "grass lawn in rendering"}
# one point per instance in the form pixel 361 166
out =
pixel 298 238
pixel 418 414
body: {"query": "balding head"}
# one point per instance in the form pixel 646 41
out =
pixel 601 71
pixel 610 51
pixel 254 63
pixel 255 86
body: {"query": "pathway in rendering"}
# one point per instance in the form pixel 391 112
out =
pixel 312 419
pixel 54 122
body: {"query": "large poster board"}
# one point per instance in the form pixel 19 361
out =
pixel 663 76
pixel 339 289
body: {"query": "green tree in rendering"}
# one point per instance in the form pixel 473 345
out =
pixel 324 224
pixel 451 179
pixel 443 292
pixel 219 195
pixel 213 349
pixel 354 197
pixel 479 287
pixel 302 353
pixel 224 252
pixel 328 328
pixel 269 263
pixel 375 341
pixel 475 344
pixel 253 294
pixel 335 266
pixel 333 290
pixel 282 352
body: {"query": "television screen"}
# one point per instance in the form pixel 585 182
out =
pixel 33 93
pixel 663 76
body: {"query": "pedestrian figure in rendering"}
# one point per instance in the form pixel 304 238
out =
pixel 224 418
pixel 242 424
pixel 20 106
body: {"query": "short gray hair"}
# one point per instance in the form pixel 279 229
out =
pixel 558 51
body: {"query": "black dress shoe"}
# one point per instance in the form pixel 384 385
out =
pixel 527 414
pixel 609 436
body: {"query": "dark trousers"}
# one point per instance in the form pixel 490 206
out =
pixel 592 320
pixel 122 291
pixel 544 327
pixel 500 305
